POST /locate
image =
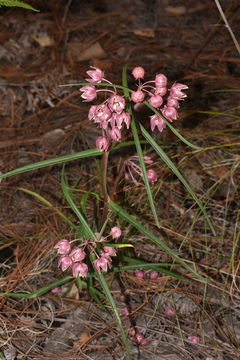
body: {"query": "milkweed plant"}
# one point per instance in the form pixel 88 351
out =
pixel 95 250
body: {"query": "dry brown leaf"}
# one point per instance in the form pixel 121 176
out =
pixel 147 32
pixel 94 51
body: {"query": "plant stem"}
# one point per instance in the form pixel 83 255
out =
pixel 104 186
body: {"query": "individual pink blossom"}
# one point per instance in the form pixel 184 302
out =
pixel 115 134
pixel 115 232
pixel 102 143
pixel 109 250
pixel 169 311
pixel 152 176
pixel 156 120
pixel 101 263
pixel 124 311
pixel 89 92
pixel 79 269
pixel 102 113
pixel 160 80
pixel 139 339
pixel 77 254
pixel 96 75
pixel 179 86
pixel 100 239
pixel 91 112
pixel 139 274
pixel 160 91
pixel 172 102
pixel 156 101
pixel 124 117
pixel 170 113
pixel 137 96
pixel 176 91
pixel 116 103
pixel 63 247
pixel 194 339
pixel 65 262
pixel 138 72
pixel 153 275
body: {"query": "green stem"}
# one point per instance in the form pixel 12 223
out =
pixel 104 187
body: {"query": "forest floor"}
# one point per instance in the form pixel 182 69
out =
pixel 39 120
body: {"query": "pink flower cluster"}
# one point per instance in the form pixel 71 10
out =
pixel 138 338
pixel 155 90
pixel 110 115
pixel 132 168
pixel 152 274
pixel 73 257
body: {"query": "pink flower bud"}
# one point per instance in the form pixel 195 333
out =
pixel 56 290
pixel 79 269
pixel 156 120
pixel 91 112
pixel 115 232
pixel 124 311
pixel 89 92
pixel 63 247
pixel 139 274
pixel 169 311
pixel 115 134
pixel 102 143
pixel 65 262
pixel 139 338
pixel 194 339
pixel 96 75
pixel 172 102
pixel 116 103
pixel 138 72
pixel 101 263
pixel 160 80
pixel 153 275
pixel 102 113
pixel 160 91
pixel 152 176
pixel 170 113
pixel 77 254
pixel 137 96
pixel 109 250
pixel 156 101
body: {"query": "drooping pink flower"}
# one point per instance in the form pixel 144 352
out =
pixel 124 312
pixel 137 96
pixel 102 143
pixel 138 72
pixel 116 103
pixel 172 102
pixel 123 117
pixel 102 113
pixel 91 112
pixel 176 91
pixel 139 274
pixel 79 269
pixel 63 247
pixel 89 92
pixel 160 91
pixel 152 176
pixel 115 134
pixel 194 339
pixel 160 80
pixel 139 339
pixel 96 75
pixel 169 311
pixel 101 263
pixel 156 120
pixel 169 112
pixel 65 262
pixel 77 254
pixel 115 232
pixel 110 251
pixel 153 275
pixel 156 101
pixel 179 86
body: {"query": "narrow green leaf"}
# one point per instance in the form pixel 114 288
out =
pixel 117 209
pixel 174 169
pixel 50 162
pixel 47 203
pixel 13 3
pixel 143 167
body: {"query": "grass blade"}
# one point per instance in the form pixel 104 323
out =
pixel 117 209
pixel 174 169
